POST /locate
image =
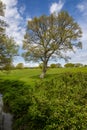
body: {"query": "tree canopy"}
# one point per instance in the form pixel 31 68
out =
pixel 8 47
pixel 2 23
pixel 20 66
pixel 48 37
pixel 69 65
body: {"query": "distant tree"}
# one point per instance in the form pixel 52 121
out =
pixel 59 65
pixel 41 65
pixel 26 67
pixel 53 65
pixel 12 67
pixel 48 36
pixel 69 65
pixel 85 65
pixel 20 66
pixel 78 65
pixel 8 47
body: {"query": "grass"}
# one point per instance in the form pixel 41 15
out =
pixel 31 76
pixel 58 102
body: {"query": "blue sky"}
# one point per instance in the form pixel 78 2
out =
pixel 19 11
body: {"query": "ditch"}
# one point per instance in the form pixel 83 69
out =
pixel 5 118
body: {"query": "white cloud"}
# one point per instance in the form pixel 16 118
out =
pixel 15 20
pixel 56 7
pixel 84 37
pixel 82 7
pixel 10 3
pixel 81 55
pixel 22 9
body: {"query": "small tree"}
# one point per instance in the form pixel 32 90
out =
pixel 78 65
pixel 41 65
pixel 19 66
pixel 85 65
pixel 69 65
pixel 59 65
pixel 53 65
pixel 48 36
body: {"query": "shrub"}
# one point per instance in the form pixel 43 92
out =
pixel 57 104
pixel 19 66
pixel 69 65
pixel 53 66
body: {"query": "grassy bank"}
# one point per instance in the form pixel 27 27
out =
pixel 31 76
pixel 59 102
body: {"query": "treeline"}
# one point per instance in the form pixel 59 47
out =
pixel 53 65
pixel 74 65
pixel 67 65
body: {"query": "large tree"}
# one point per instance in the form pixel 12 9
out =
pixel 49 37
pixel 8 47
pixel 2 23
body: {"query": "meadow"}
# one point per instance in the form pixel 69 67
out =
pixel 31 76
pixel 57 102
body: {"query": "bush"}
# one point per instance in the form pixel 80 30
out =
pixel 58 104
pixel 69 65
pixel 19 66
pixel 61 102
pixel 53 66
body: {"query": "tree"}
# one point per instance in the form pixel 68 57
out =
pixel 85 65
pixel 59 65
pixel 47 37
pixel 20 66
pixel 8 47
pixel 69 65
pixel 41 65
pixel 78 65
pixel 2 23
pixel 53 65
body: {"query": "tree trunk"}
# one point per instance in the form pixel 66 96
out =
pixel 44 69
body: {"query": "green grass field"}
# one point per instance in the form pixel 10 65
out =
pixel 57 102
pixel 31 76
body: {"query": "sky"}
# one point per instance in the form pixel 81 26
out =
pixel 18 12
